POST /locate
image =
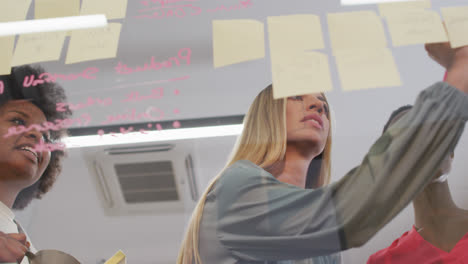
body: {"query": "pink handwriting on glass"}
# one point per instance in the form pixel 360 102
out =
pixel 49 146
pixel 49 77
pixel 180 11
pixel 156 93
pixel 183 54
pixel 2 87
pixel 152 113
pixel 61 107
pixel 58 124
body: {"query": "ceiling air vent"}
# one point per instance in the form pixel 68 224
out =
pixel 144 179
pixel 147 182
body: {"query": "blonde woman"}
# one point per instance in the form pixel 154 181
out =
pixel 273 204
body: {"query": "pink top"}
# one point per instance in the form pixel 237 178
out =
pixel 411 248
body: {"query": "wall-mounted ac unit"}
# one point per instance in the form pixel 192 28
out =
pixel 144 178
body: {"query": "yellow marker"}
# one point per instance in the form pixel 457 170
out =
pixel 300 73
pixel 295 33
pixel 416 27
pixel 369 69
pixel 456 21
pixel 93 44
pixel 356 30
pixel 113 9
pixel 236 41
pixel 6 54
pixel 56 8
pixel 38 47
pixel 14 10
pixel 391 8
pixel 118 258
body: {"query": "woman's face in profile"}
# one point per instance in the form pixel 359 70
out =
pixel 19 161
pixel 307 119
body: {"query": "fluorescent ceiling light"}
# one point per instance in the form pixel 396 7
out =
pixel 52 24
pixel 152 136
pixel 367 2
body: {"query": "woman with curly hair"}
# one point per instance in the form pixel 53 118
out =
pixel 26 170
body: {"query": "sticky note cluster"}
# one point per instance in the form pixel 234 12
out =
pixel 456 21
pixel 11 10
pixel 32 48
pixel 56 8
pixel 93 44
pixel 297 68
pixel 360 49
pixel 412 23
pixel 85 45
pixel 6 54
pixel 14 10
pixel 391 8
pixel 113 9
pixel 236 41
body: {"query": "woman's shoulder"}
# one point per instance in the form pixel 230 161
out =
pixel 242 173
pixel 244 169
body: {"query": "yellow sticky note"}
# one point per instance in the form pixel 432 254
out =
pixel 300 73
pixel 295 33
pixel 416 27
pixel 13 10
pixel 113 9
pixel 56 8
pixel 38 47
pixel 456 21
pixel 356 30
pixel 236 41
pixel 392 7
pixel 6 54
pixel 367 69
pixel 94 44
pixel 118 258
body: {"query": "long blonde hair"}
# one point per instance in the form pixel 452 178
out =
pixel 263 142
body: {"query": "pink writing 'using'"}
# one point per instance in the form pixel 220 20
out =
pixel 183 54
pixel 50 77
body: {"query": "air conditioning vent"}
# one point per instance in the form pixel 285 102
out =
pixel 144 178
pixel 147 182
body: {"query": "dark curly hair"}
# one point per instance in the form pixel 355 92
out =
pixel 44 96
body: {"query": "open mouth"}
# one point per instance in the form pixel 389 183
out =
pixel 31 152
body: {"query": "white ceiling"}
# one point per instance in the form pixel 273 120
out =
pixel 71 217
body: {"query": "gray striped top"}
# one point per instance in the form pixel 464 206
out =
pixel 251 217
